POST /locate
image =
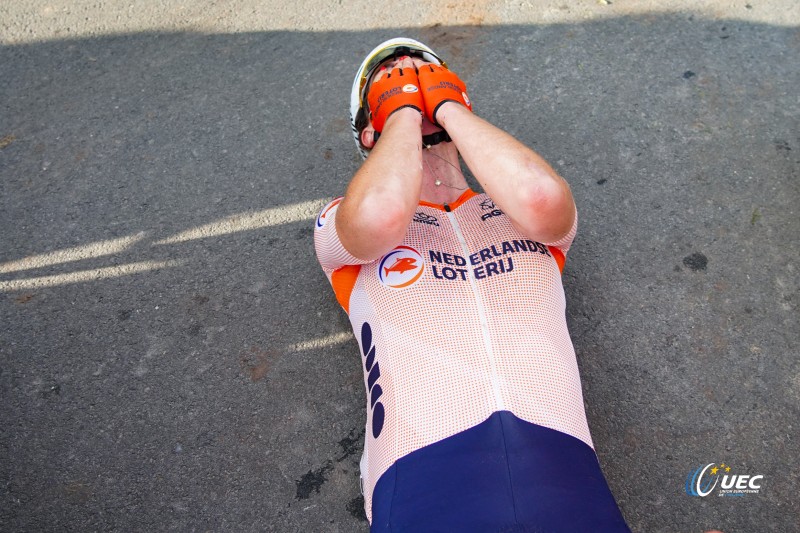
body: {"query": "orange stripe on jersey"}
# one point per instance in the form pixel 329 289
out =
pixel 344 280
pixel 559 256
pixel 469 193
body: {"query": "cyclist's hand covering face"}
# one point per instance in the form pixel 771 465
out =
pixel 403 62
pixel 394 87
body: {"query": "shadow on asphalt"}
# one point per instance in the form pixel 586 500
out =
pixel 172 357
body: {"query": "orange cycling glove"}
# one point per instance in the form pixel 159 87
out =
pixel 396 90
pixel 438 86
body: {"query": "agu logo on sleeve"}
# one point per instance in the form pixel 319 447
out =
pixel 322 217
pixel 400 268
pixel 704 479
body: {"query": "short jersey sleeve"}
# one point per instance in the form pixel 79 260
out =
pixel 331 254
pixel 565 242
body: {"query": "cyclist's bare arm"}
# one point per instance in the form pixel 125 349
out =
pixel 536 199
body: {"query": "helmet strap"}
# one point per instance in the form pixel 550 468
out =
pixel 435 138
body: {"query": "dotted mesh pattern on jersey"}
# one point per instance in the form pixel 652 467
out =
pixel 441 370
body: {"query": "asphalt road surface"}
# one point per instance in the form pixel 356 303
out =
pixel 172 357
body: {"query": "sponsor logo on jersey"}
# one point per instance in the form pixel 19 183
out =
pixel 373 369
pixel 426 219
pixel 495 260
pixel 322 217
pixel 490 209
pixel 400 268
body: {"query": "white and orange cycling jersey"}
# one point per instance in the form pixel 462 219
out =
pixel 475 417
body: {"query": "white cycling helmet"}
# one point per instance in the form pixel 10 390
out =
pixel 382 52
